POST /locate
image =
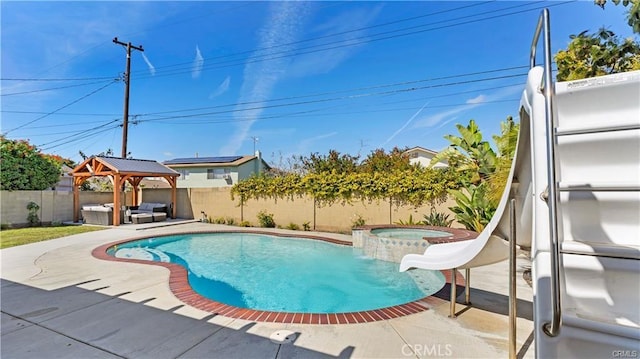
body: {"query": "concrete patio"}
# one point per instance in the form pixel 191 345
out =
pixel 60 302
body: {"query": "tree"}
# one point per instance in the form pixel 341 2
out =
pixel 381 161
pixel 602 53
pixel 23 167
pixel 633 15
pixel 334 161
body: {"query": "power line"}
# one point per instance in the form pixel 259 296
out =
pixel 350 42
pixel 58 79
pixel 52 88
pixel 411 89
pixel 300 113
pixel 329 35
pixel 367 88
pixel 61 113
pixel 67 139
pixel 306 113
pixel 84 138
pixel 61 108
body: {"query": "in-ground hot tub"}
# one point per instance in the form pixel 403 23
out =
pixel 392 242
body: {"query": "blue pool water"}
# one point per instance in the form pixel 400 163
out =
pixel 285 274
pixel 408 233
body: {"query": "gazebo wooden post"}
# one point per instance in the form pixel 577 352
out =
pixel 134 195
pixel 116 199
pixel 76 199
pixel 174 198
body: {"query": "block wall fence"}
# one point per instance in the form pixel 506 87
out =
pixel 217 202
pixel 194 203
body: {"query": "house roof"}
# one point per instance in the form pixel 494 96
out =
pixel 221 161
pixel 421 149
pixel 200 160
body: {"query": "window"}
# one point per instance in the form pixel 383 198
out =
pixel 184 174
pixel 218 173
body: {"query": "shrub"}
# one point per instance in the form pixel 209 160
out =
pixel 245 224
pixel 293 226
pixel 32 217
pixel 266 219
pixel 409 222
pixel 358 221
pixel 219 220
pixel 231 221
pixel 473 209
pixel 306 226
pixel 437 219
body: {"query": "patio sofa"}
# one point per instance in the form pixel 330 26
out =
pixel 157 212
pixel 99 214
pixel 148 207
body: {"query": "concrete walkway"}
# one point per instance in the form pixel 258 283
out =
pixel 58 302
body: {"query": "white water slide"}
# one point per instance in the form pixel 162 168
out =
pixel 576 184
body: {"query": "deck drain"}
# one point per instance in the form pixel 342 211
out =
pixel 283 337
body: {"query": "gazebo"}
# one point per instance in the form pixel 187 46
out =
pixel 120 171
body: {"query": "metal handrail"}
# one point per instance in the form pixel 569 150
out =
pixel 552 328
pixel 512 280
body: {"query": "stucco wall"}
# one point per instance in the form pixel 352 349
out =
pixel 217 202
pixel 55 206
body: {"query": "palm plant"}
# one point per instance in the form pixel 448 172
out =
pixel 484 173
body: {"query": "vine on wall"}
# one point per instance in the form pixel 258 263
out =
pixel 415 186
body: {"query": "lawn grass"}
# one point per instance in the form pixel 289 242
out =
pixel 20 236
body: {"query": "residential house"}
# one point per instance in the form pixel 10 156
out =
pixel 423 156
pixel 223 171
pixel 65 183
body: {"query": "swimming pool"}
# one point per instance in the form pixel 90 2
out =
pixel 269 273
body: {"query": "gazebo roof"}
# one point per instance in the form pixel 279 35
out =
pixel 104 166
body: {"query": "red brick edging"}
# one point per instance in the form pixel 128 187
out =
pixel 179 285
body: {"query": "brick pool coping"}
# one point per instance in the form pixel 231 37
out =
pixel 179 285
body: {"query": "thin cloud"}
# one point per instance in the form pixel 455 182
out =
pixel 284 25
pixel 222 88
pixel 198 62
pixel 305 144
pixel 441 118
pixel 405 124
pixel 433 120
pixel 152 69
pixel 476 100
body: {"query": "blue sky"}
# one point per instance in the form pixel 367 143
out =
pixel 301 77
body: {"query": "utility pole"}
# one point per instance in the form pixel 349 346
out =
pixel 127 78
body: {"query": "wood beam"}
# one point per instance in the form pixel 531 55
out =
pixel 116 199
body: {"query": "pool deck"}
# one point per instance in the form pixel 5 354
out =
pixel 58 301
